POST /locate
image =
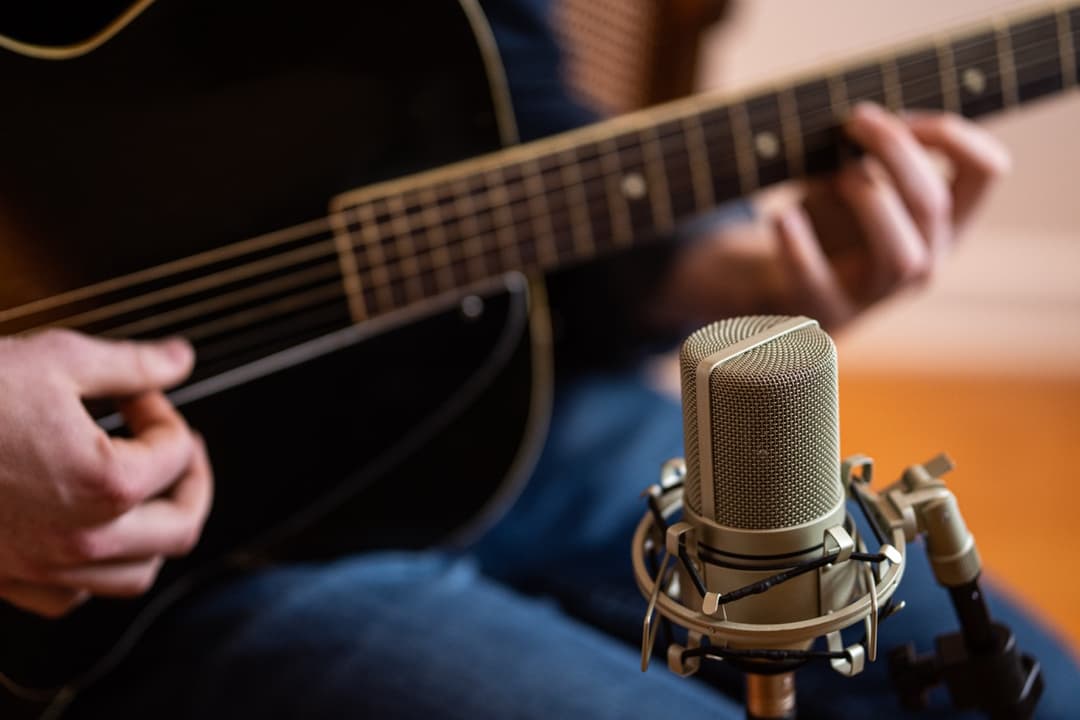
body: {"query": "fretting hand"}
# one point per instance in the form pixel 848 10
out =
pixel 887 219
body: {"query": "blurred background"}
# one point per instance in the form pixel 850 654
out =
pixel 985 362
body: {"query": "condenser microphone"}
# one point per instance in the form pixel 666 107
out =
pixel 762 441
pixel 748 545
pixel 768 560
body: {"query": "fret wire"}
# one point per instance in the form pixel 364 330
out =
pixel 480 248
pixel 373 249
pixel 817 113
pixel 435 231
pixel 503 219
pixel 634 183
pixel 474 253
pixel 950 91
pixel 440 225
pixel 890 75
pixel 791 129
pixel 546 250
pixel 1036 75
pixel 1009 89
pixel 616 223
pixel 977 70
pixel 570 174
pixel 367 241
pixel 589 204
pixel 405 233
pixel 865 84
pixel 822 113
pixel 672 146
pixel 829 117
pixel 659 194
pixel 528 247
pixel 920 79
pixel 468 224
pixel 767 132
pixel 838 99
pixel 740 126
pixel 1068 48
pixel 350 275
pixel 405 245
pixel 557 197
pixel 622 222
pixel 700 171
pixel 608 155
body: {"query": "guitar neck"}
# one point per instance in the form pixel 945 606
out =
pixel 619 183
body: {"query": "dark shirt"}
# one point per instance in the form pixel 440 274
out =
pixel 596 307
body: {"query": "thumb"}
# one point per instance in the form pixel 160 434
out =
pixel 105 368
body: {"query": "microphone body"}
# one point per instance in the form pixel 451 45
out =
pixel 762 486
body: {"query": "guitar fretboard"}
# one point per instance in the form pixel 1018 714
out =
pixel 547 204
pixel 620 183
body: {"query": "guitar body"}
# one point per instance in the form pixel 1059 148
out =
pixel 134 173
pixel 190 130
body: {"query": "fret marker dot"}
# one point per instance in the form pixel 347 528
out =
pixel 634 187
pixel 767 145
pixel 472 306
pixel 974 81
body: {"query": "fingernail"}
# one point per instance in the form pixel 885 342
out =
pixel 868 110
pixel 176 351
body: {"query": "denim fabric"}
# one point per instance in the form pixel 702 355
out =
pixel 539 620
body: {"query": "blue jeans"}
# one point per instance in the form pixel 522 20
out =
pixel 538 620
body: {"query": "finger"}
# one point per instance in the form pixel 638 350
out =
pixel 117 579
pixel 921 186
pixel 168 526
pixel 161 449
pixel 978 159
pixel 105 368
pixel 50 602
pixel 895 243
pixel 807 265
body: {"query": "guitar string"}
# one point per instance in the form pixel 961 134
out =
pixel 491 208
pixel 296 329
pixel 392 281
pixel 828 112
pixel 221 252
pixel 295 233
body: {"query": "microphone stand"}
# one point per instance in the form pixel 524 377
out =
pixel 980 664
pixel 770 697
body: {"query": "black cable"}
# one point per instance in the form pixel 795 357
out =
pixel 773 580
pixel 871 519
pixel 699 584
pixel 708 651
pixel 658 516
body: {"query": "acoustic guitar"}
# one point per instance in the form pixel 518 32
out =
pixel 180 169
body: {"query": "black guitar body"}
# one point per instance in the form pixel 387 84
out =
pixel 194 128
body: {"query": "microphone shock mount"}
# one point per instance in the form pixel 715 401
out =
pixel 980 664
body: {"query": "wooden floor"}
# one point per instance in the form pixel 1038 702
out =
pixel 1016 446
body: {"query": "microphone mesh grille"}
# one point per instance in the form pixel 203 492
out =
pixel 775 425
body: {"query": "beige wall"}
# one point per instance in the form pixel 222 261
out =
pixel 1009 297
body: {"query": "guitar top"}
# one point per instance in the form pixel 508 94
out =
pixel 195 127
